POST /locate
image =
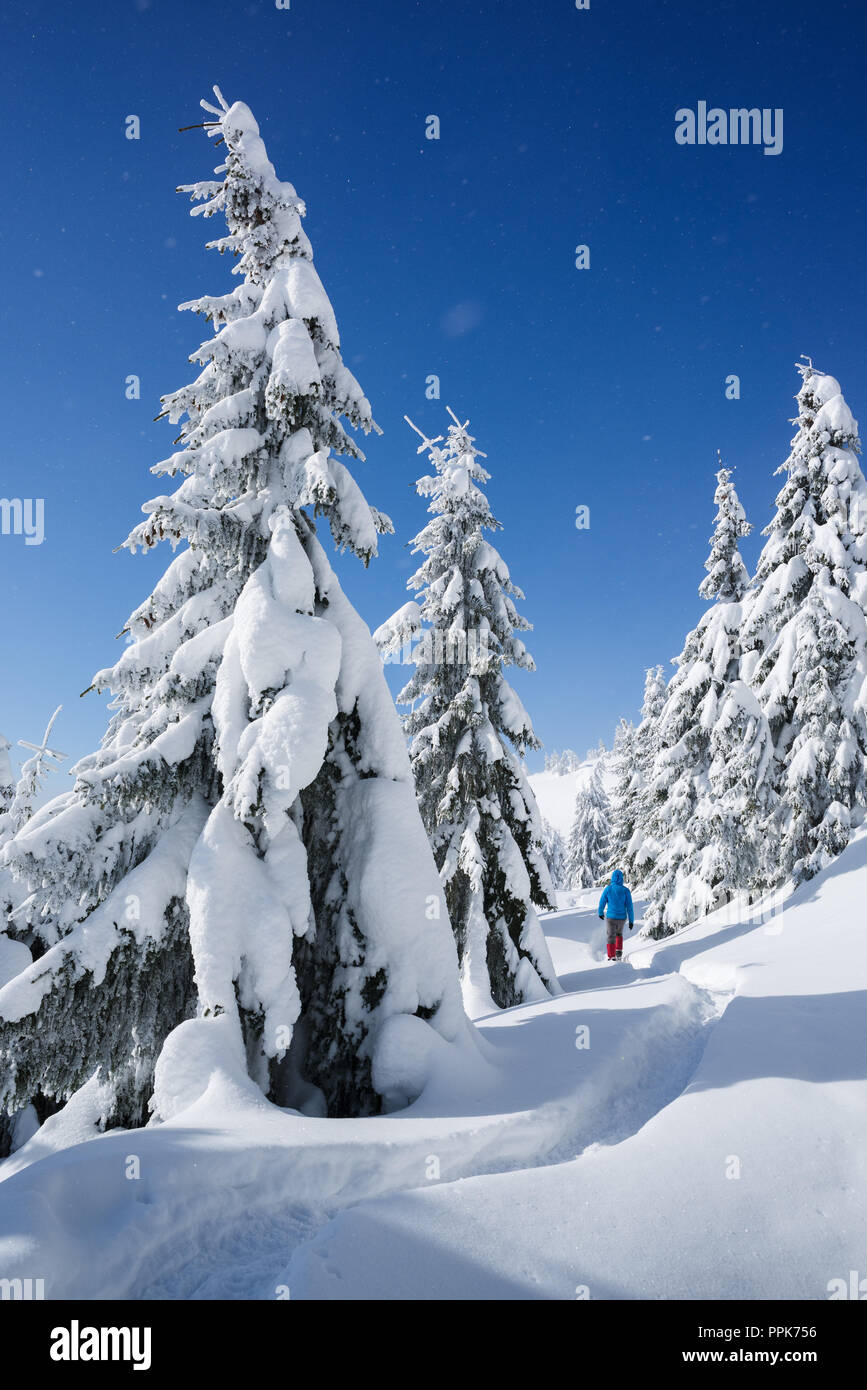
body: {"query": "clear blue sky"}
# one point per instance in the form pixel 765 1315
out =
pixel 602 387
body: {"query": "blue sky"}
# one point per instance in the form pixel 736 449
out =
pixel 601 387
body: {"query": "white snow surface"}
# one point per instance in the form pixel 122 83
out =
pixel 709 1142
pixel 555 793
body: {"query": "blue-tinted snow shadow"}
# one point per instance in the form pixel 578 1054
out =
pixel 603 976
pixel 670 953
pixel 794 1036
pixel 389 1249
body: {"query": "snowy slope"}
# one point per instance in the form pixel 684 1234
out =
pixel 555 794
pixel 542 1169
pixel 748 1185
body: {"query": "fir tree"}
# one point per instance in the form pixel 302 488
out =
pixel 806 636
pixel 14 955
pixel 587 851
pixel 640 849
pixel 709 775
pixel 7 792
pixel 15 940
pixel 245 847
pixel 739 812
pixel 562 763
pixel 465 725
pixel 18 803
pixel 7 777
pixel 554 854
pixel 26 790
pixel 623 795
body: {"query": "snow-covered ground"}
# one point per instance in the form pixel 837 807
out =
pixel 689 1123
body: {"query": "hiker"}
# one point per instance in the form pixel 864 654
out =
pixel 617 899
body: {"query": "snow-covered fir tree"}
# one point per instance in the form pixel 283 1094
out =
pixel 7 791
pixel 26 790
pixel 587 849
pixel 640 849
pixel 7 795
pixel 14 955
pixel 554 854
pixel 21 795
pixel 740 811
pixel 805 632
pixel 7 776
pixel 240 875
pixel 465 725
pixel 623 799
pixel 710 781
pixel 18 801
pixel 562 763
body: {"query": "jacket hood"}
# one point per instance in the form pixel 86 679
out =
pixel 617 877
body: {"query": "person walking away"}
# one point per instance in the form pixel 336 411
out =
pixel 616 901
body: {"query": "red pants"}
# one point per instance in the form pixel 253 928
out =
pixel 615 936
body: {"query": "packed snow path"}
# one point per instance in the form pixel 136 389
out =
pixel 704 1138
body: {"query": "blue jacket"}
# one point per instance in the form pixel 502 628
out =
pixel 618 899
